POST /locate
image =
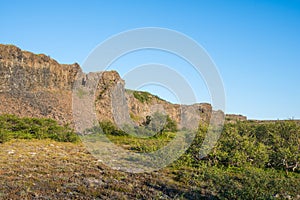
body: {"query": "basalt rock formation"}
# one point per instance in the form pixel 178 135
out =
pixel 35 85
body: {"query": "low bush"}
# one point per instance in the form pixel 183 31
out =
pixel 260 145
pixel 143 97
pixel 13 127
pixel 241 183
pixel 109 128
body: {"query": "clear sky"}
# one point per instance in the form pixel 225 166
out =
pixel 255 44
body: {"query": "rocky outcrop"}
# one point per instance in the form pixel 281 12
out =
pixel 121 106
pixel 35 85
pixel 232 118
pixel 24 71
pixel 109 96
pixel 184 115
pixel 38 86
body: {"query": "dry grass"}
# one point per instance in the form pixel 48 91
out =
pixel 45 169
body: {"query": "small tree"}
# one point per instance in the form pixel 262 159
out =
pixel 170 125
pixel 158 122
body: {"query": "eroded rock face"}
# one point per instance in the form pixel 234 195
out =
pixel 232 118
pixel 35 85
pixel 38 86
pixel 110 86
pixel 24 71
pixel 188 116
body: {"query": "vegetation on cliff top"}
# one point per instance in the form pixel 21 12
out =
pixel 142 96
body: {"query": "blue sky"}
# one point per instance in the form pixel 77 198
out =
pixel 255 44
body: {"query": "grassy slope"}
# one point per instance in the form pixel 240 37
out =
pixel 33 166
pixel 47 169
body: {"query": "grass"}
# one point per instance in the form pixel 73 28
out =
pixel 143 97
pixel 46 169
pixel 50 168
pixel 135 118
pixel 13 127
pixel 142 145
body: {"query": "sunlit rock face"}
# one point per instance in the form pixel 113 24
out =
pixel 35 85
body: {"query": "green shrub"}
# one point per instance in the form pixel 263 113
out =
pixel 110 129
pixel 134 117
pixel 237 149
pixel 261 145
pixel 240 183
pixel 4 136
pixel 143 97
pixel 13 127
pixel 252 183
pixel 160 123
pixel 170 125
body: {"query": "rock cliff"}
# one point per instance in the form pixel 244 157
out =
pixel 38 86
pixel 35 85
pixel 232 118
